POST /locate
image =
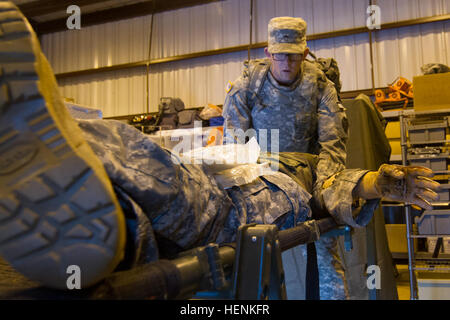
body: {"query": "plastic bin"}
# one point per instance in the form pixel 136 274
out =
pixel 434 222
pixel 433 286
pixel 426 132
pixel 436 162
pixel 444 194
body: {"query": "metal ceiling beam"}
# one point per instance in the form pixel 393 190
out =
pixel 39 8
pixel 119 13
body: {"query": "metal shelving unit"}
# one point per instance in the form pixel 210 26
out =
pixel 421 261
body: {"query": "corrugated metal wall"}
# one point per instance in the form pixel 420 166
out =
pixel 225 24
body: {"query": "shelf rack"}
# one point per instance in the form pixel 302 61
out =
pixel 419 261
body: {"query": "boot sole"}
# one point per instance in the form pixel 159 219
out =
pixel 57 206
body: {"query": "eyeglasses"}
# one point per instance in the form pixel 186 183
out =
pixel 283 56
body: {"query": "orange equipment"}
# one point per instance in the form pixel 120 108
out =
pixel 399 92
pixel 215 137
pixel 402 85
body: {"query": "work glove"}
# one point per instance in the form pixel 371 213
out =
pixel 408 184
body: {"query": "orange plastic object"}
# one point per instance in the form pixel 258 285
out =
pixel 215 137
pixel 401 90
pixel 402 85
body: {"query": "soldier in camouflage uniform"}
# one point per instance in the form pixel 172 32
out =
pixel 287 93
pixel 293 96
pixel 103 196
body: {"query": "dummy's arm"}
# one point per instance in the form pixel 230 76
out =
pixel 399 183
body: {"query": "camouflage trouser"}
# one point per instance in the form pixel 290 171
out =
pixel 332 282
pixel 173 207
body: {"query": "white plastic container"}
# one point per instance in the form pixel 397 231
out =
pixel 431 244
pixel 446 244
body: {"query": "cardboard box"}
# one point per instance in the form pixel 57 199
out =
pixel 432 92
pixel 446 244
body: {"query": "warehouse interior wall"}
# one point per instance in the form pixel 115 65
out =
pixel 199 81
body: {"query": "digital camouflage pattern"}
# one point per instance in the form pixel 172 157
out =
pixel 287 35
pixel 309 119
pixel 432 68
pixel 171 207
pixel 336 201
pixel 307 114
pixel 340 203
pixel 181 202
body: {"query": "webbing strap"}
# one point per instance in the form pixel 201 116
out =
pixel 258 76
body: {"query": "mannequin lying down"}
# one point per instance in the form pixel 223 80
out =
pixel 183 206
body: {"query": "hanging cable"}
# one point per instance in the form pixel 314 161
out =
pixel 251 29
pixel 148 59
pixel 372 71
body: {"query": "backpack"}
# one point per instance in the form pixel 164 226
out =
pixel 168 110
pixel 329 66
pixel 186 119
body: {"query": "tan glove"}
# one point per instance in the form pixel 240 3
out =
pixel 399 183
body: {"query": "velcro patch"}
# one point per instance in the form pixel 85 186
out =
pixel 229 86
pixel 329 182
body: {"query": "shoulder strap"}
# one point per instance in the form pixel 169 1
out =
pixel 258 70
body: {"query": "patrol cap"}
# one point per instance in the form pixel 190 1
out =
pixel 287 35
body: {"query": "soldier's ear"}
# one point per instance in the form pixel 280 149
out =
pixel 266 51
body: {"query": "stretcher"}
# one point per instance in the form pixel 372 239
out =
pixel 249 269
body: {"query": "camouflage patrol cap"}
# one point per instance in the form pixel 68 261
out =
pixel 287 35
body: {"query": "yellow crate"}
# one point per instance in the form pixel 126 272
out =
pixel 393 130
pixel 396 148
pixel 396 234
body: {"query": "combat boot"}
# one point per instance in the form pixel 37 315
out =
pixel 58 210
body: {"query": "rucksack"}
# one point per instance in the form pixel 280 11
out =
pixel 329 66
pixel 168 109
pixel 186 119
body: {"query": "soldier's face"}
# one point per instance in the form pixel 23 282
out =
pixel 286 70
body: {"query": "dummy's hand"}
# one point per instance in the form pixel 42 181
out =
pixel 399 183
